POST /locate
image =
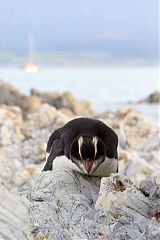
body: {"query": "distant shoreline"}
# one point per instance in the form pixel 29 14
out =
pixel 75 59
pixel 106 88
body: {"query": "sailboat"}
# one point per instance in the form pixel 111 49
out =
pixel 30 66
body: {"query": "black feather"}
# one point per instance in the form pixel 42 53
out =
pixel 54 148
pixel 60 141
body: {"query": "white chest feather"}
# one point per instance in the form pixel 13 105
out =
pixel 104 170
pixel 62 162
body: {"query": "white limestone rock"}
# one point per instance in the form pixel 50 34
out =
pixel 68 205
pixel 139 142
pixel 14 216
pixel 37 129
pixel 120 197
pixel 23 144
pixel 10 127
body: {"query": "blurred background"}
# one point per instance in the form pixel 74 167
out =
pixel 60 59
pixel 103 51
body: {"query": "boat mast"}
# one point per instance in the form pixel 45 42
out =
pixel 30 48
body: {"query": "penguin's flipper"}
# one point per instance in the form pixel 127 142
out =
pixel 54 149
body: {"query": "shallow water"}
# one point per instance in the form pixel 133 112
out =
pixel 106 88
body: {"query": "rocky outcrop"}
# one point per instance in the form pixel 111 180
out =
pixel 64 101
pixel 9 95
pixel 22 144
pixel 139 142
pixel 152 98
pixel 68 205
pixel 10 144
pixel 46 97
pixel 37 129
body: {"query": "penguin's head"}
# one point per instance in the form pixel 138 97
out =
pixel 87 152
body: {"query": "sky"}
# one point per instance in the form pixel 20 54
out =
pixel 121 28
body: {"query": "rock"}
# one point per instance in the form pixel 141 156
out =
pixel 150 187
pixel 45 97
pixel 11 139
pixel 65 101
pixel 59 210
pixel 68 100
pixel 37 129
pixel 68 205
pixel 31 104
pixel 16 175
pixel 10 125
pixel 120 197
pixel 23 143
pixel 138 142
pixel 152 231
pixel 14 217
pixel 152 98
pixel 67 112
pixel 11 96
pixel 46 117
pixel 119 211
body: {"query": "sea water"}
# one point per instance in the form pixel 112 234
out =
pixel 106 88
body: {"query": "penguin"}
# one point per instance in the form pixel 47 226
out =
pixel 85 145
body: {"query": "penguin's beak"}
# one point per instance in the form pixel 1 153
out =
pixel 88 165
